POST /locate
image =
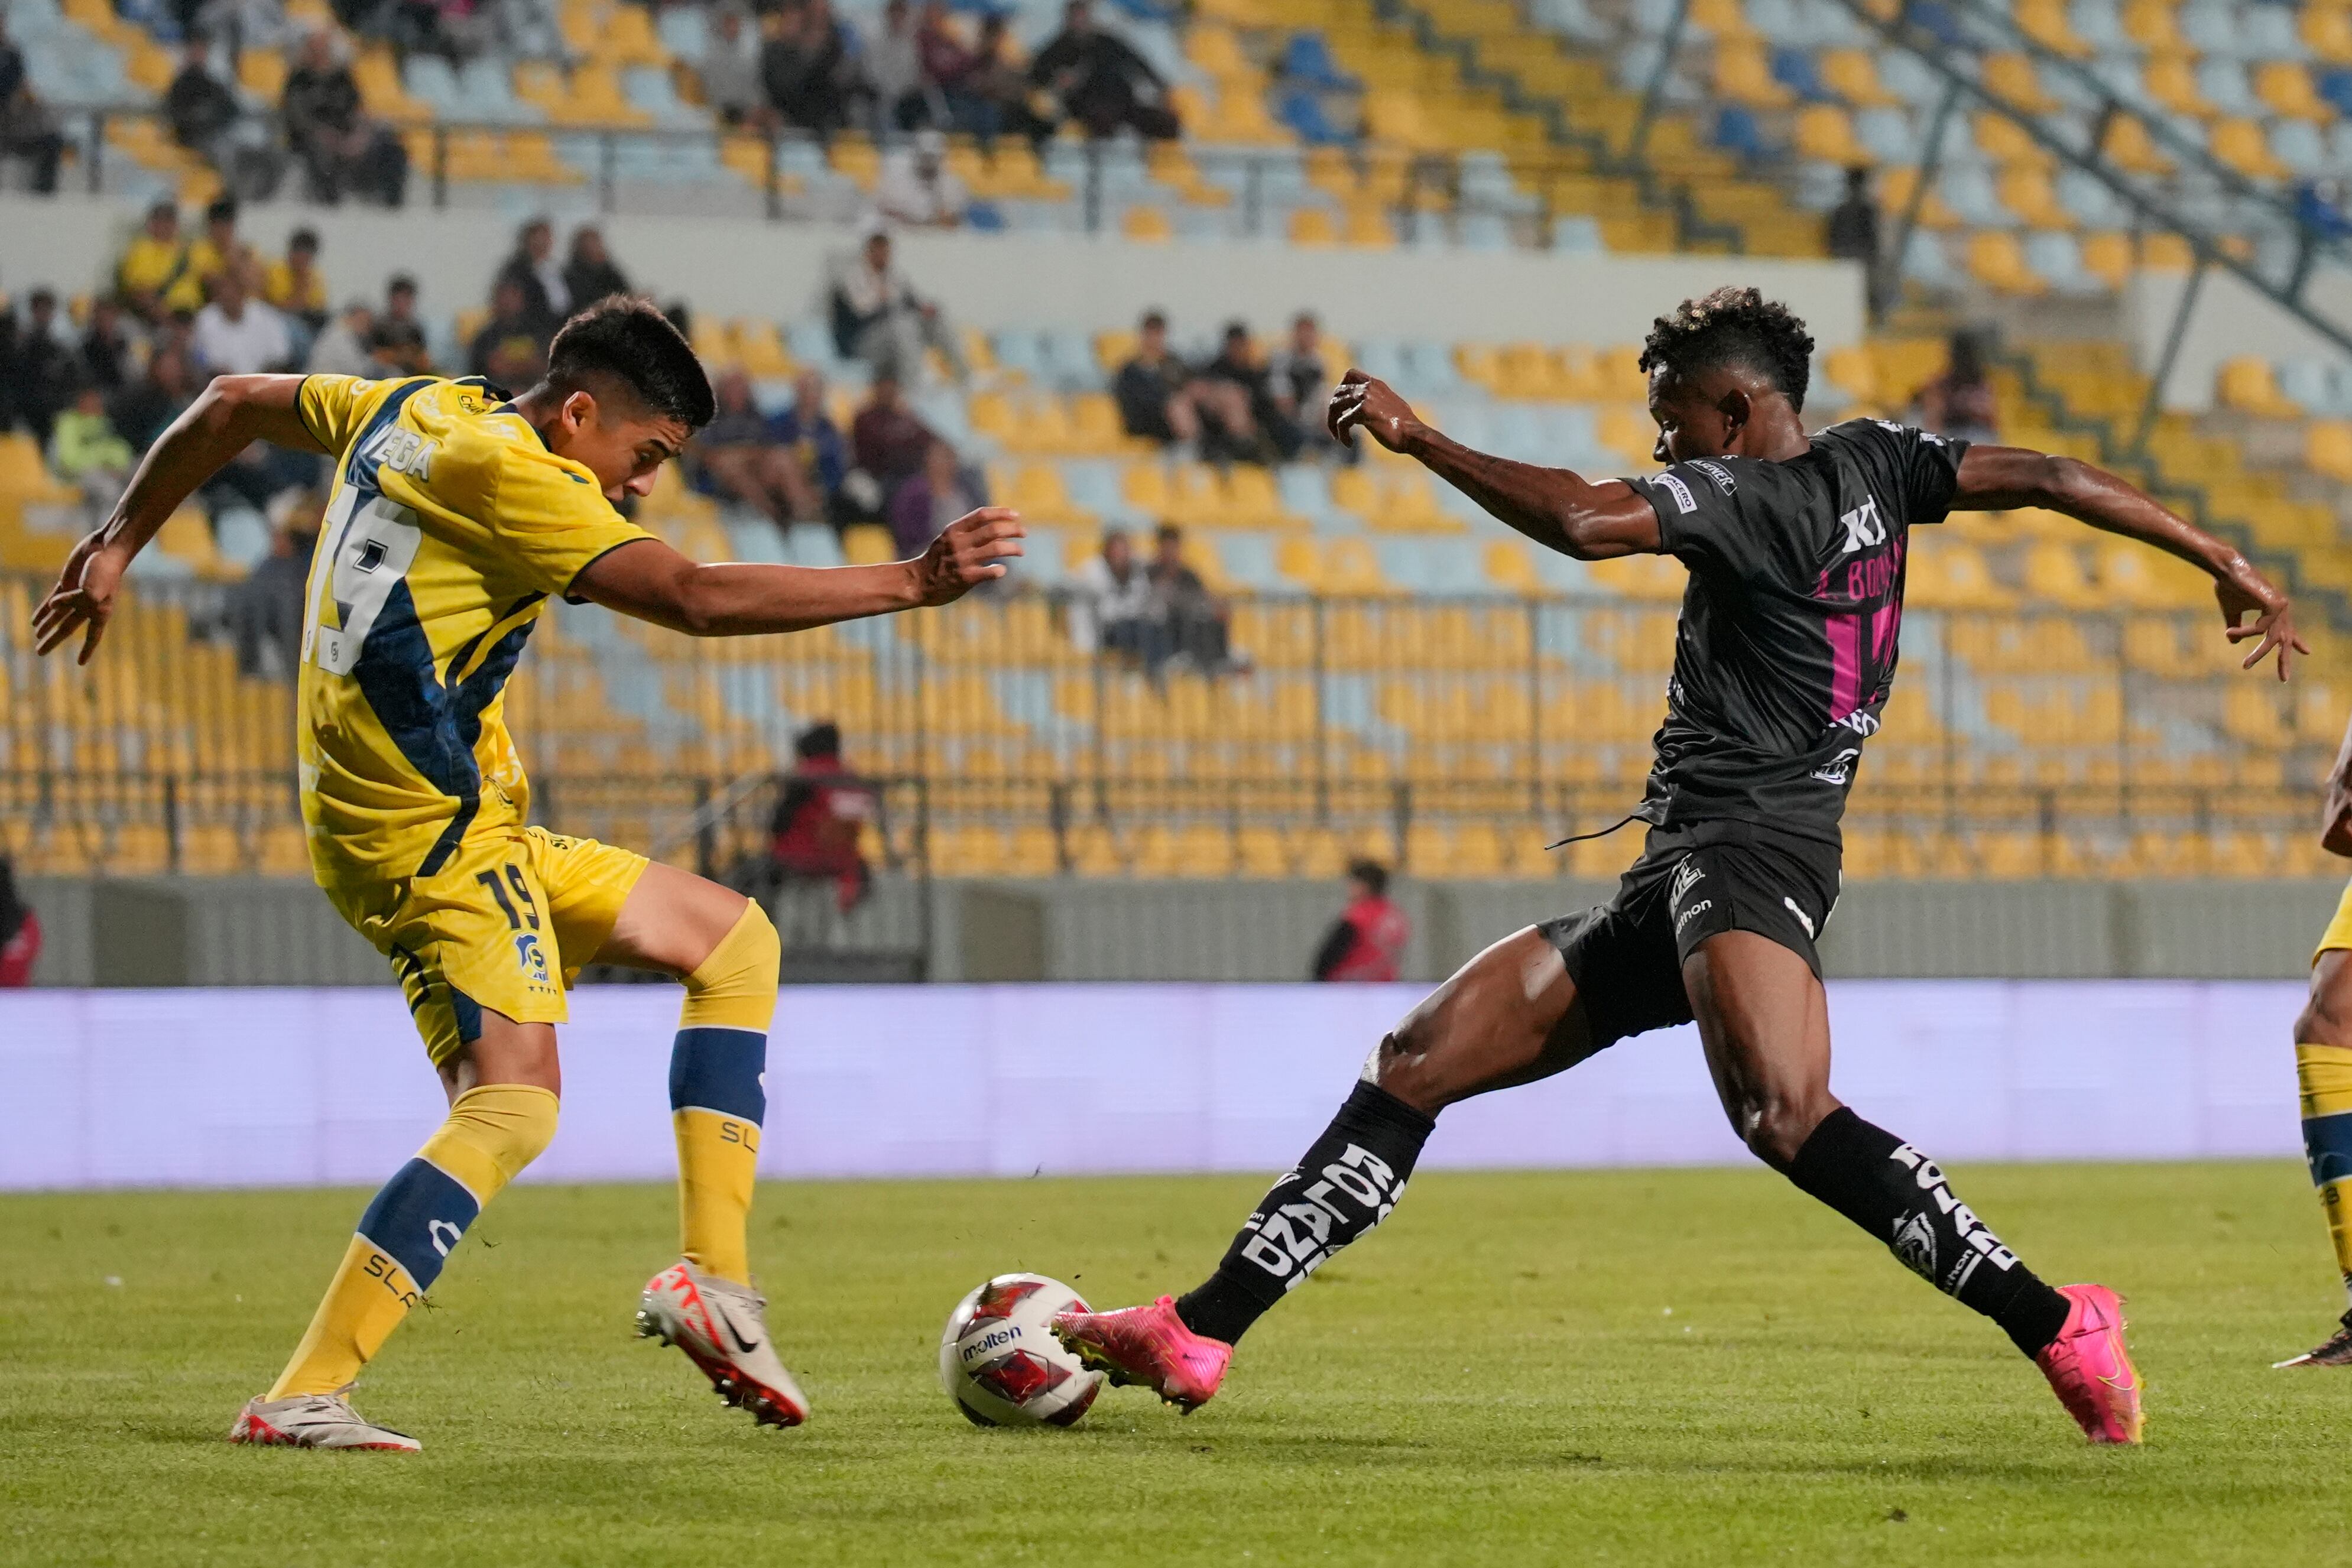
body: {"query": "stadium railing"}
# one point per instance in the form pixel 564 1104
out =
pixel 1440 734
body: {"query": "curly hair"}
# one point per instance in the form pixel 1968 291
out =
pixel 1739 327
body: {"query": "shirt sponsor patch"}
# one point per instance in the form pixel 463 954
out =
pixel 1684 500
pixel 1717 472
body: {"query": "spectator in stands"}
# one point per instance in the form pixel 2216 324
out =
pixel 917 186
pixel 509 350
pixel 947 64
pixel 215 251
pixel 730 68
pixel 991 96
pixel 808 70
pixel 1959 403
pixel 341 348
pixel 110 354
pixel 341 149
pixel 878 318
pixel 265 610
pixel 894 72
pixel 86 452
pixel 1099 81
pixel 27 129
pixel 818 454
pixel 199 106
pixel 20 931
pixel 397 339
pixel 1112 610
pixel 154 265
pixel 1851 233
pixel 1196 619
pixel 295 287
pixel 821 814
pixel 237 334
pixel 590 273
pixel 44 367
pixel 1257 428
pixel 1368 941
pixel 533 269
pixel 1162 399
pixel 887 441
pixel 937 495
pixel 147 406
pixel 1301 383
pixel 736 456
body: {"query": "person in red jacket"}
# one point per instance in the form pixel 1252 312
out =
pixel 813 835
pixel 20 932
pixel 1367 942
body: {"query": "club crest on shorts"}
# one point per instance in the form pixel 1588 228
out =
pixel 531 956
pixel 1687 875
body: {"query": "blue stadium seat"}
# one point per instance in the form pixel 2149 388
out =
pixel 1306 491
pixel 1738 129
pixel 1306 61
pixel 755 539
pixel 812 544
pixel 1795 69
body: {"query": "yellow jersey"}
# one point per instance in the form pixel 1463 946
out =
pixel 449 525
pixel 304 297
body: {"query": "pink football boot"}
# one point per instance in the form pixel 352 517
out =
pixel 1150 1345
pixel 2090 1369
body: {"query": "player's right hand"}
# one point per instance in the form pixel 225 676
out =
pixel 1366 403
pixel 970 552
pixel 83 597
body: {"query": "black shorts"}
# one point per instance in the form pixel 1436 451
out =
pixel 1691 884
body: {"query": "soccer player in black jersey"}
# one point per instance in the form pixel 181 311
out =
pixel 1782 666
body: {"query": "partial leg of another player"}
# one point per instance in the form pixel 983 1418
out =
pixel 502 1087
pixel 1764 1019
pixel 2323 1066
pixel 1510 1016
pixel 724 948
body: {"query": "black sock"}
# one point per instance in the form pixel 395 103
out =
pixel 1895 1193
pixel 1353 1176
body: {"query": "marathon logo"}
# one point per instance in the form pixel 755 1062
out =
pixel 1685 501
pixel 1982 1246
pixel 1717 472
pixel 1693 913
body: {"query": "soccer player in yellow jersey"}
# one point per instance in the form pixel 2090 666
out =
pixel 456 514
pixel 2323 1064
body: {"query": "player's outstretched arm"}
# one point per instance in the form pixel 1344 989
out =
pixel 228 416
pixel 649 579
pixel 1558 509
pixel 1995 478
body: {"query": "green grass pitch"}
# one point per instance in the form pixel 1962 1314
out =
pixel 1647 1367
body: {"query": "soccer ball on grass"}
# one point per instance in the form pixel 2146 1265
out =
pixel 1000 1362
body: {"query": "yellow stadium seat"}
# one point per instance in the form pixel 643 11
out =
pixel 2328 448
pixel 2244 145
pixel 2045 22
pixel 1312 226
pixel 2053 573
pixel 1721 18
pixel 1508 567
pixel 2328 30
pixel 2108 258
pixel 1743 75
pixel 2144 579
pixel 2171 81
pixel 2285 85
pixel 868 544
pixel 1853 75
pixel 2248 385
pixel 2027 191
pixel 2152 24
pixel 2006 142
pixel 1894 193
pixel 2014 78
pixel 1825 131
pixel 2129 147
pixel 1998 260
pixel 1147 223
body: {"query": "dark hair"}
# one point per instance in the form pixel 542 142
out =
pixel 1153 319
pixel 222 211
pixel 401 281
pixel 164 210
pixel 1166 531
pixel 627 339
pixel 821 739
pixel 302 239
pixel 1372 874
pixel 1966 368
pixel 1734 326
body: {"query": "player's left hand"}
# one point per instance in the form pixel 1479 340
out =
pixel 971 550
pixel 2273 622
pixel 1366 403
pixel 83 597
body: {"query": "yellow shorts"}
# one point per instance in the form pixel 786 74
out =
pixel 2339 928
pixel 505 925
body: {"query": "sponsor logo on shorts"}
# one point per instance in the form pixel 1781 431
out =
pixel 1684 500
pixel 1687 915
pixel 1687 877
pixel 1839 769
pixel 1804 919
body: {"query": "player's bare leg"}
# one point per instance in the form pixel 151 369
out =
pixel 502 1088
pixel 2322 1060
pixel 722 946
pixel 1510 1016
pixel 1764 1018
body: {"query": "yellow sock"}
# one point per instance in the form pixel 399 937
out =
pixel 717 1093
pixel 2324 1075
pixel 405 1236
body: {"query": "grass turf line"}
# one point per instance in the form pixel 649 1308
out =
pixel 1695 1366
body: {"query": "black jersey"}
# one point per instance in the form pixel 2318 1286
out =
pixel 1786 649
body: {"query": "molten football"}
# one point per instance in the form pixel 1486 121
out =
pixel 1001 1364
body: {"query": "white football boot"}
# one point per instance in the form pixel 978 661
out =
pixel 723 1328
pixel 315 1421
